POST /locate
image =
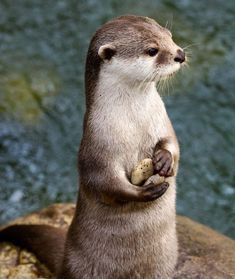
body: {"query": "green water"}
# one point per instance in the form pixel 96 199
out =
pixel 42 52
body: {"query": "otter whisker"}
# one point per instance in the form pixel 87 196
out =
pixel 148 83
pixel 169 23
pixel 190 45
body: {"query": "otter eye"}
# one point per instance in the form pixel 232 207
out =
pixel 152 51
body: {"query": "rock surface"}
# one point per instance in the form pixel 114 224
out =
pixel 203 253
pixel 16 263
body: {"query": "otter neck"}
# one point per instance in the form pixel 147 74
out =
pixel 116 90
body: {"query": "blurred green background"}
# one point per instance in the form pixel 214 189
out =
pixel 42 52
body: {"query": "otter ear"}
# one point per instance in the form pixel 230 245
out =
pixel 107 51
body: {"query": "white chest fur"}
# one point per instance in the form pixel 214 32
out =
pixel 126 115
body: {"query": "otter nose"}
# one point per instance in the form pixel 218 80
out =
pixel 180 56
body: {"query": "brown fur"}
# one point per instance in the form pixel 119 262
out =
pixel 119 230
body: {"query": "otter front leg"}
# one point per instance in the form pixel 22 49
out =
pixel 123 191
pixel 110 184
pixel 112 188
pixel 165 158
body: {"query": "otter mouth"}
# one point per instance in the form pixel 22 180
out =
pixel 168 71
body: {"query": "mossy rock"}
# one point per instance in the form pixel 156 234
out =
pixel 16 263
pixel 203 253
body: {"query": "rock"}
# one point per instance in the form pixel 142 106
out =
pixel 143 173
pixel 203 252
pixel 18 263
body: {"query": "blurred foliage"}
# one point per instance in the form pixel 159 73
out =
pixel 26 94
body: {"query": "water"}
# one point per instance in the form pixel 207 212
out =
pixel 42 52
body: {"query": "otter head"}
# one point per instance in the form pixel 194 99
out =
pixel 135 48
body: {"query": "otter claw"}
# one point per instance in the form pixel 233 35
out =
pixel 162 162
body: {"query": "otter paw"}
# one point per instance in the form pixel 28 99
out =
pixel 152 191
pixel 163 163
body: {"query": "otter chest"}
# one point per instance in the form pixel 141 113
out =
pixel 133 125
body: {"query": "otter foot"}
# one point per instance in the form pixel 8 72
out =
pixel 162 162
pixel 152 191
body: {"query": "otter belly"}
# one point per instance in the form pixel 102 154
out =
pixel 126 242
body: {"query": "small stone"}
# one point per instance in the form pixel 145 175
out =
pixel 142 172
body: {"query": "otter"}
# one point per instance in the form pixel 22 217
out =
pixel 119 230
